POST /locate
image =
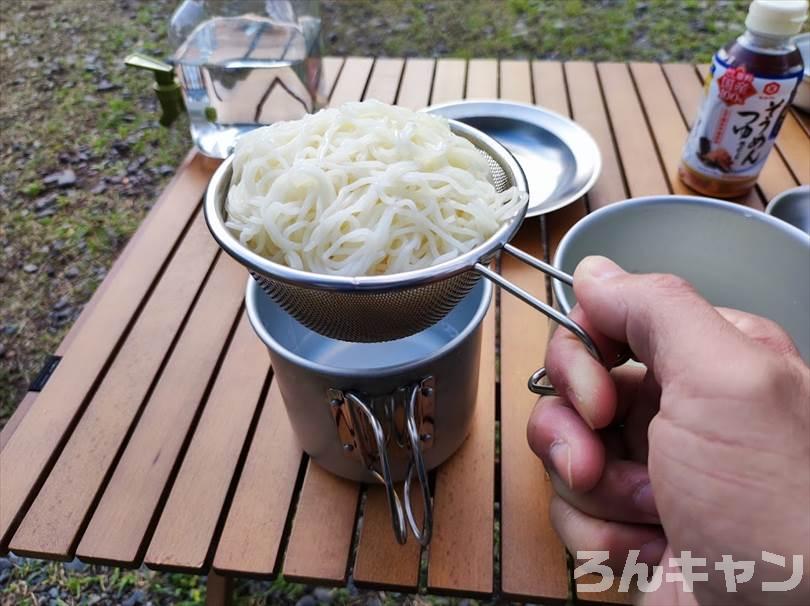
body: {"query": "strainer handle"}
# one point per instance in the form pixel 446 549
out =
pixel 541 306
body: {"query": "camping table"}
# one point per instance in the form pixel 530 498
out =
pixel 161 438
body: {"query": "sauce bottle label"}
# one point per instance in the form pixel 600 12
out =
pixel 738 121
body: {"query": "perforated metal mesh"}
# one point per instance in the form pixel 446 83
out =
pixel 369 316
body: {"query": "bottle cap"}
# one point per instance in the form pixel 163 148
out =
pixel 776 17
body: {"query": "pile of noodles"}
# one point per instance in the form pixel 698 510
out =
pixel 365 189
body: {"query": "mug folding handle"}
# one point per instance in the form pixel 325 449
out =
pixel 371 440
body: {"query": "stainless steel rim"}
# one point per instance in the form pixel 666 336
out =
pixel 790 230
pixel 498 108
pixel 293 358
pixel 214 215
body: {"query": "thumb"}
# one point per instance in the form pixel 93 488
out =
pixel 666 323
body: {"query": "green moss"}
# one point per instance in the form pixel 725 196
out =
pixel 33 189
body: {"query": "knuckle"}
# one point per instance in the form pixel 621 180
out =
pixel 779 339
pixel 669 284
pixel 775 379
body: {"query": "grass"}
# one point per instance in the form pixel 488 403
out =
pixel 53 56
pixel 96 584
pixel 654 30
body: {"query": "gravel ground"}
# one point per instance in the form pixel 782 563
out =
pixel 25 582
pixel 82 159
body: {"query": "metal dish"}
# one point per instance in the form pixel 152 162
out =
pixel 733 256
pixel 792 206
pixel 560 159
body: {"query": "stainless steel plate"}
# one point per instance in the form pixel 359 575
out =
pixel 792 206
pixel 560 159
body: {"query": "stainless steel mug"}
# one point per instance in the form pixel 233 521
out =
pixel 386 411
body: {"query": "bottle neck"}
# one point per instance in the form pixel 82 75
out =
pixel 766 43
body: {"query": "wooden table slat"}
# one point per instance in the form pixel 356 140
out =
pixel 531 554
pixel 463 510
pixel 322 533
pixel 352 80
pixel 588 109
pixel 384 81
pixel 515 80
pixel 448 80
pixel 23 407
pixel 185 530
pixel 258 514
pixel 414 90
pixel 643 173
pixel 40 433
pixel 123 516
pixel 331 71
pixel 775 177
pixel 681 78
pixel 553 87
pixel 664 118
pixel 533 560
pixel 381 561
pixel 803 118
pixel 470 472
pixel 794 148
pixel 482 79
pixel 51 526
pixel 549 86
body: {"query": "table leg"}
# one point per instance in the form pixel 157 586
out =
pixel 219 590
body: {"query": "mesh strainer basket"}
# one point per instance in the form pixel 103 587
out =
pixel 370 309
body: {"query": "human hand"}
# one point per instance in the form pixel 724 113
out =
pixel 707 449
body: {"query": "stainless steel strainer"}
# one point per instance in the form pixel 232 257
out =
pixel 371 309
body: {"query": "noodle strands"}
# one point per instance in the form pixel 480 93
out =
pixel 364 189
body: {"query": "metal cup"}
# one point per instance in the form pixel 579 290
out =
pixel 382 412
pixel 734 256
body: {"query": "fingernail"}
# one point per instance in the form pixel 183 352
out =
pixel 644 499
pixel 599 268
pixel 650 553
pixel 560 454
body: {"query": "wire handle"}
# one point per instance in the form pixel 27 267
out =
pixel 384 475
pixel 416 462
pixel 372 449
pixel 541 306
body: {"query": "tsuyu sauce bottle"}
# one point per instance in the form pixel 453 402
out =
pixel 752 83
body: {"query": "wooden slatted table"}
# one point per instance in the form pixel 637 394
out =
pixel 161 437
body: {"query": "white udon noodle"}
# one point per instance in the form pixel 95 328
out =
pixel 365 189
